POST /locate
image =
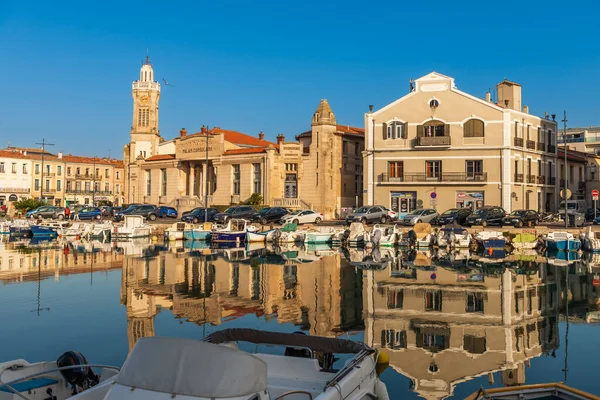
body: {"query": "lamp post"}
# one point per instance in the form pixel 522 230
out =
pixel 564 121
pixel 206 181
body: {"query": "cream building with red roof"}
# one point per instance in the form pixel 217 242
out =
pixel 321 170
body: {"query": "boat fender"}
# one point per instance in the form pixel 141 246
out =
pixel 382 361
pixel 381 391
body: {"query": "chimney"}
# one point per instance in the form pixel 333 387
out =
pixel 509 93
pixel 526 109
pixel 60 155
pixel 370 107
pixel 203 129
pixel 182 132
pixel 261 136
pixel 488 97
pixel 280 138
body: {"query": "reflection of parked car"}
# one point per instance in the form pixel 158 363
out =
pixel 369 214
pixel 453 214
pixel 302 217
pixel 241 212
pixel 269 214
pixel 421 215
pixel 89 213
pixel 519 218
pixel 164 211
pixel 488 215
pixel 197 215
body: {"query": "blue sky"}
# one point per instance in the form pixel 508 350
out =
pixel 263 66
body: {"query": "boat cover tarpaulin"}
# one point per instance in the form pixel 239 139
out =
pixel 422 229
pixel 315 343
pixel 356 229
pixel 192 368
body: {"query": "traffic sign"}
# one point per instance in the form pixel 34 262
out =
pixel 567 195
pixel 595 192
pixel 433 195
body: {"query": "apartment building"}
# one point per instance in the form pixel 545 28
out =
pixel 91 180
pixel 15 176
pixel 443 148
pixel 586 140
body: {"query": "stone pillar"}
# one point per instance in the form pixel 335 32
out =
pixel 201 181
pixel 190 190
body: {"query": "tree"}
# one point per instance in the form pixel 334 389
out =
pixel 254 200
pixel 27 204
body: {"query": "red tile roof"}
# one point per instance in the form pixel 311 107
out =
pixel 90 160
pixel 238 138
pixel 350 129
pixel 161 157
pixel 29 150
pixel 252 150
pixel 12 154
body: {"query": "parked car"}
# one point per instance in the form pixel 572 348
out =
pixel 197 215
pixel 520 218
pixel 89 213
pixel 269 214
pixel 488 215
pixel 47 212
pixel 164 211
pixel 453 214
pixel 369 214
pixel 243 212
pixel 147 211
pixel 107 211
pixel 589 215
pixel 302 217
pixel 393 215
pixel 421 215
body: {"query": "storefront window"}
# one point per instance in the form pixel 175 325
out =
pixel 473 200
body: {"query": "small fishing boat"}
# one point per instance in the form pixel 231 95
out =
pixel 288 234
pixel 48 228
pixel 62 379
pixel 423 234
pixel 454 236
pixel 562 241
pixel 235 232
pixel 356 235
pixel 20 228
pixel 74 230
pixel 175 231
pixel 323 234
pixel 490 240
pixel 524 240
pixel 4 228
pixel 100 231
pixel 260 237
pixel 384 235
pixel 199 232
pixel 554 390
pixel 590 240
pixel 133 227
pixel 562 257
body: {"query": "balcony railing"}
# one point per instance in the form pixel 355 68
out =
pixel 15 190
pixel 519 142
pixel 552 180
pixel 235 199
pixel 551 148
pixel 541 180
pixel 291 202
pixel 88 191
pixel 519 178
pixel 433 141
pixel 443 177
pixel 531 144
pixel 530 179
pixel 84 176
pixel 541 146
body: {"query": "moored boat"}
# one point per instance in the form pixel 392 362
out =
pixel 423 234
pixel 258 237
pixel 76 229
pixel 554 390
pixel 590 240
pixel 4 228
pixel 490 240
pixel 133 227
pixel 198 232
pixel 20 228
pixel 356 235
pixel 384 235
pixel 562 241
pixel 175 231
pixel 454 236
pixel 524 240
pixel 235 232
pixel 100 231
pixel 323 234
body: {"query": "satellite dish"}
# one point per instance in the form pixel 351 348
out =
pixel 568 194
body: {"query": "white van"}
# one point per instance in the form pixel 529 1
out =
pixel 573 207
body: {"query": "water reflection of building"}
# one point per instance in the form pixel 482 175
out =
pixel 20 261
pixel 324 297
pixel 441 326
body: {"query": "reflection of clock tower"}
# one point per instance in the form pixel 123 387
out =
pixel 145 135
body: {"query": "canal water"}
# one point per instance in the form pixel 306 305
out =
pixel 450 322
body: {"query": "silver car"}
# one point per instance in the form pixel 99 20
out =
pixel 369 214
pixel 422 215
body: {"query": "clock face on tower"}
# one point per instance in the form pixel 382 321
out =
pixel 144 100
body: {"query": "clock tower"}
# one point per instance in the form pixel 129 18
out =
pixel 145 135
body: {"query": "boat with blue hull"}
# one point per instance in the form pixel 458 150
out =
pixel 234 232
pixel 44 230
pixel 490 240
pixel 562 241
pixel 20 228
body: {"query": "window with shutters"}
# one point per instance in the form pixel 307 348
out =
pixel 257 178
pixel 474 169
pixel 236 178
pixel 474 128
pixel 396 170
pixel 396 130
pixel 433 300
pixel 395 298
pixel 433 169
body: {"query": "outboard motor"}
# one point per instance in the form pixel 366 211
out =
pixel 80 378
pixel 412 237
pixel 376 237
pixel 276 234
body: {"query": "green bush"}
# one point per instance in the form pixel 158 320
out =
pixel 254 200
pixel 27 204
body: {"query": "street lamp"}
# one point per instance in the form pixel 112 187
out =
pixel 94 182
pixel 566 197
pixel 206 181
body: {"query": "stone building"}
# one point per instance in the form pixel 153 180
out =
pixel 443 148
pixel 15 176
pixel 322 170
pixel 90 180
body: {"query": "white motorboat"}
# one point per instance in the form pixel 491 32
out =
pixel 70 377
pixel 590 240
pixel 234 232
pixel 76 229
pixel 423 234
pixel 323 234
pixel 487 239
pixel 176 231
pixel 260 237
pixel 384 235
pixel 454 236
pixel 4 228
pixel 133 227
pixel 289 234
pixel 357 235
pixel 562 241
pixel 199 232
pixel 101 231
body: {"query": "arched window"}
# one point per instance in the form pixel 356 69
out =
pixel 474 128
pixel 433 128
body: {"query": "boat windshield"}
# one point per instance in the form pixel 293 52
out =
pixel 518 213
pixel 451 211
